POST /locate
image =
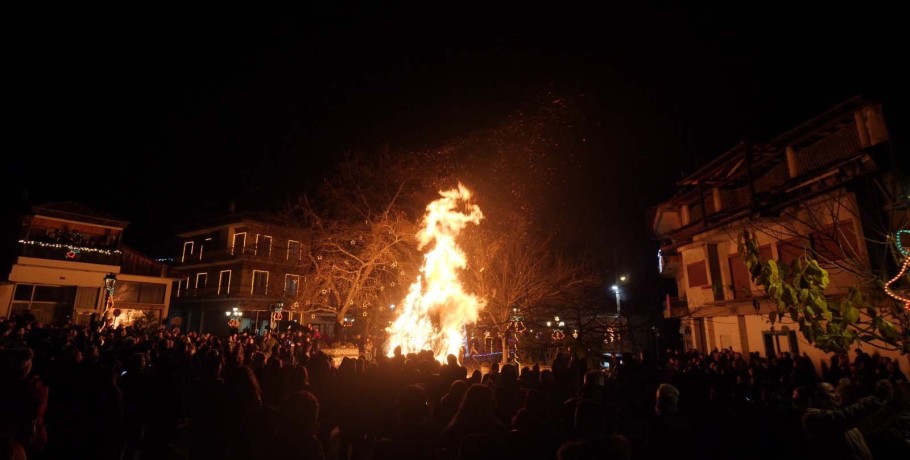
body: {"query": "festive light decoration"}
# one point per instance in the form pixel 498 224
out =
pixel 900 246
pixel 76 249
pixel 558 335
pixel 518 326
pixel 891 293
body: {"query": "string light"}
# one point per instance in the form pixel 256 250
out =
pixel 891 293
pixel 72 249
pixel 897 241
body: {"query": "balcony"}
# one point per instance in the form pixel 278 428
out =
pixel 676 307
pixel 56 251
pixel 230 254
pixel 236 292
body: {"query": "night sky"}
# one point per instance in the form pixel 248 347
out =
pixel 158 117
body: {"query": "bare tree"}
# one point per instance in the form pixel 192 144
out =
pixel 361 236
pixel 518 276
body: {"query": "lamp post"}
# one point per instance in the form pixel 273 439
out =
pixel 110 280
pixel 234 316
pixel 615 288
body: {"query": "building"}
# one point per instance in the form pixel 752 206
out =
pixel 242 267
pixel 825 188
pixel 64 254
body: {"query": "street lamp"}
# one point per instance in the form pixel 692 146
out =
pixel 615 289
pixel 110 280
pixel 234 316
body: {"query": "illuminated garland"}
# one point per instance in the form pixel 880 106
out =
pixel 891 293
pixel 897 242
pixel 488 355
pixel 517 326
pixel 72 249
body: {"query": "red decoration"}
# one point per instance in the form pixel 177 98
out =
pixel 116 312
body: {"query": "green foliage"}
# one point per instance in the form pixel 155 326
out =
pixel 147 323
pixel 798 292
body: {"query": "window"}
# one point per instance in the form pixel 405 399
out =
pixel 87 297
pixel 182 286
pixel 136 292
pixel 187 250
pixel 152 292
pixel 777 342
pixel 239 243
pixel 742 282
pixel 126 291
pixel 742 279
pixel 790 250
pixel 697 273
pixel 224 282
pixel 201 280
pixel 59 294
pixel 263 245
pixel 202 246
pixel 293 250
pixel 714 267
pixel 765 252
pixel 291 282
pixel 835 242
pixel 260 282
pixel 24 292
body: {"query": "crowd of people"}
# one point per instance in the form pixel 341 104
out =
pixel 73 392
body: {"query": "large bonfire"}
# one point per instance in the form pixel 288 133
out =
pixel 436 309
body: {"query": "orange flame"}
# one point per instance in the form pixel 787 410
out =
pixel 437 292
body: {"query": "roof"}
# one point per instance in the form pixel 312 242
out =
pixel 71 210
pixel 206 224
pixel 763 156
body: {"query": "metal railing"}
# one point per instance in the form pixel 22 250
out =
pixel 276 255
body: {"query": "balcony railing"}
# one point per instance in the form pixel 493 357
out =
pixel 676 307
pixel 235 292
pixel 276 255
pixel 838 146
pixel 54 251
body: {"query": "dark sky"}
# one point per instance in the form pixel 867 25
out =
pixel 161 116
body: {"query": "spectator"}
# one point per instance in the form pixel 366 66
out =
pixel 833 430
pixel 23 401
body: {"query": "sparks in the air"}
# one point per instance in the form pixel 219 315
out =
pixel 436 308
